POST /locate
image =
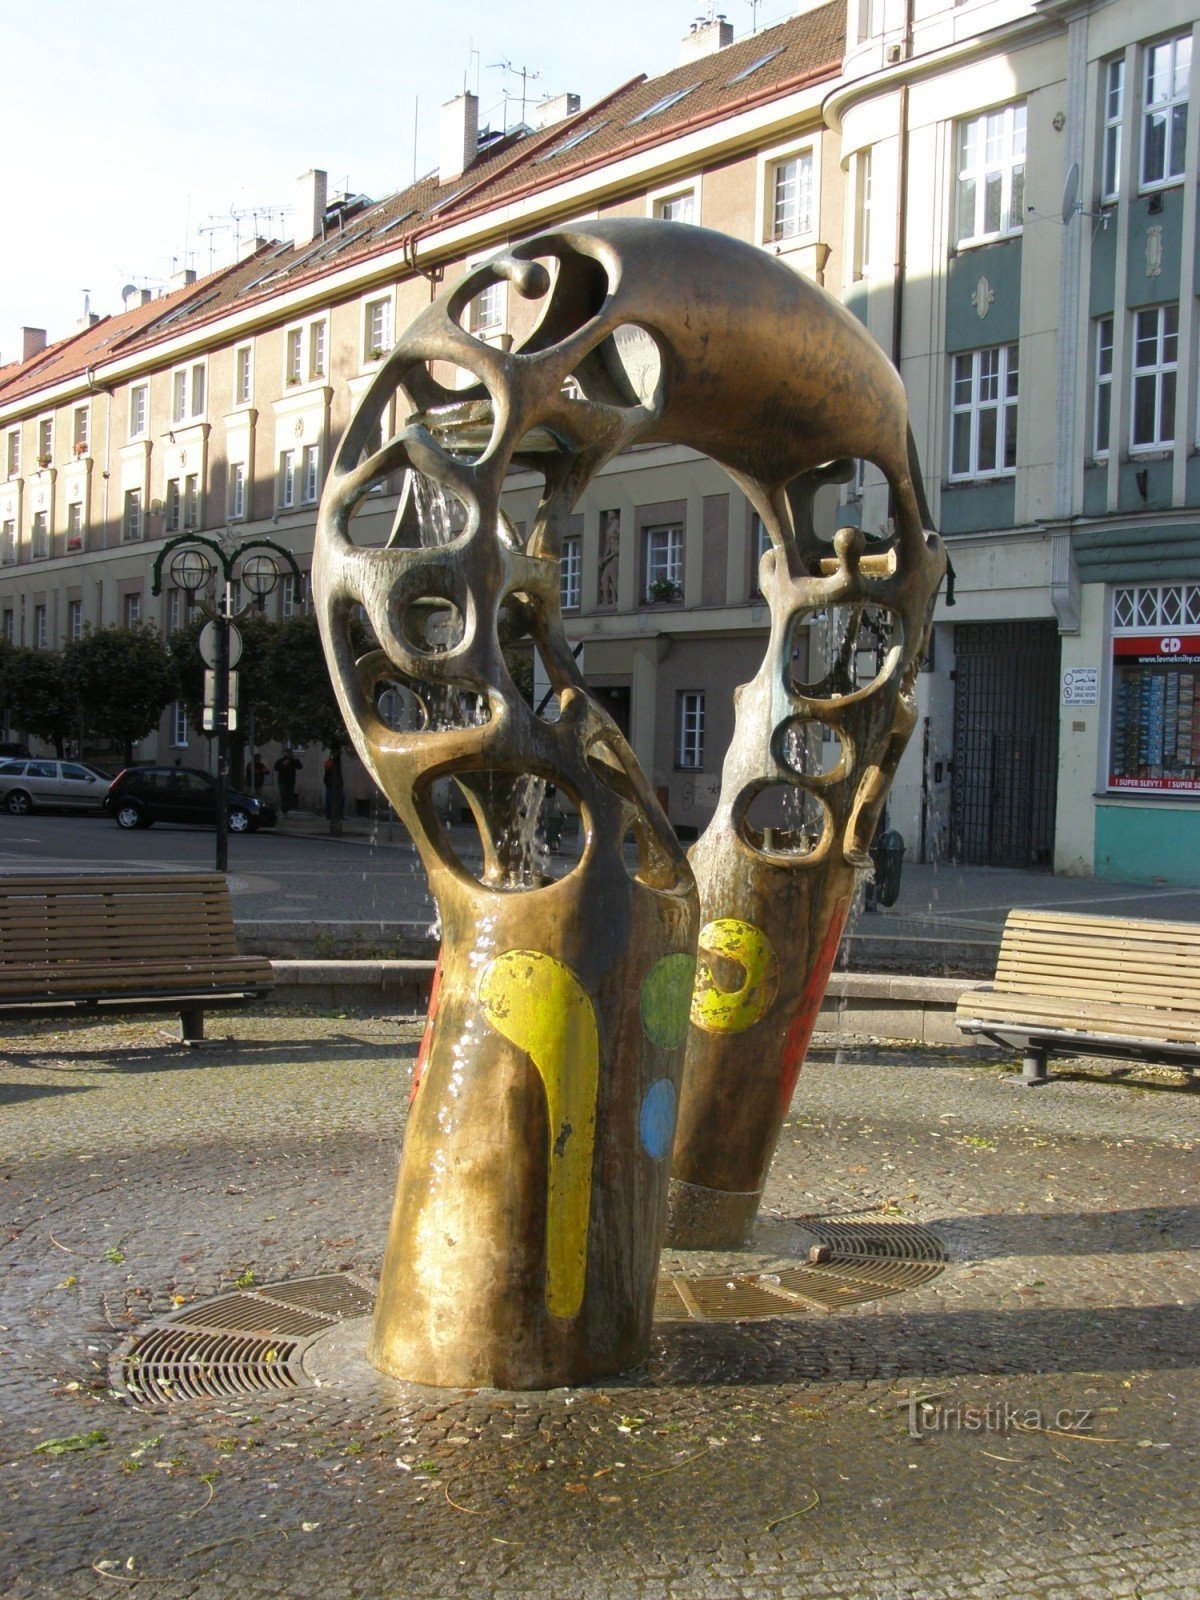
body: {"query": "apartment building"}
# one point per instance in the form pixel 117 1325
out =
pixel 1005 192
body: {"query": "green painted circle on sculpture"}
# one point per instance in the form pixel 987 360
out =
pixel 667 999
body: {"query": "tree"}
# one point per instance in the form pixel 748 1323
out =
pixel 256 632
pixel 123 679
pixel 34 689
pixel 300 705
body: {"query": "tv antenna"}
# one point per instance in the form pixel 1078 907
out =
pixel 526 76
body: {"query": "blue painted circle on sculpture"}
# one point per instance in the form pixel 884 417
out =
pixel 658 1118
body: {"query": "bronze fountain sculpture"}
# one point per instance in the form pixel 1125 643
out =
pixel 533 1187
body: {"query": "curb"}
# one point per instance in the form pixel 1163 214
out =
pixel 893 1007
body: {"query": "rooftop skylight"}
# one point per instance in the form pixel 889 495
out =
pixel 662 105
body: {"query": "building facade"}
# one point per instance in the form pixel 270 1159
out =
pixel 1004 191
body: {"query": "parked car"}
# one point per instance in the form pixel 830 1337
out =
pixel 140 796
pixel 40 784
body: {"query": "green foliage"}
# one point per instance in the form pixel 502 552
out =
pixel 301 707
pixel 34 688
pixel 123 678
pixel 257 632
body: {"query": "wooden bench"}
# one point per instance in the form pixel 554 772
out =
pixel 150 942
pixel 1069 984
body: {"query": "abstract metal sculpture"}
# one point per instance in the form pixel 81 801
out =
pixel 529 1209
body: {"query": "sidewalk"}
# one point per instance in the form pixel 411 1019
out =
pixel 761 1460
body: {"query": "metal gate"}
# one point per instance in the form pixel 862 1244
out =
pixel 1005 770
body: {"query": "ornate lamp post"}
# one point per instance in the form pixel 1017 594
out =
pixel 191 567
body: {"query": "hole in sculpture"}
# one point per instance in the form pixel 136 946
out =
pixel 606 765
pixel 445 706
pixel 783 820
pixel 508 829
pixel 432 625
pixel 844 650
pixel 809 749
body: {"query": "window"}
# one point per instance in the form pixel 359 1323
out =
pixel 175 609
pixel 9 622
pixel 487 310
pixel 792 196
pixel 287 480
pixel 1114 110
pixel 1104 372
pixel 243 374
pixel 131 610
pixel 74 526
pixel 310 475
pixel 664 562
pixel 294 597
pixel 74 619
pixel 131 520
pixel 760 543
pixel 8 542
pixel 173 508
pixel 1155 368
pixel 570 573
pixel 690 741
pixel 191 501
pixel 1164 110
pixel 294 357
pixel 662 104
pixel 237 491
pixel 13 453
pixel 991 175
pixel 862 214
pixel 187 392
pixel 41 535
pixel 377 329
pixel 39 627
pixel 1154 732
pixel 139 408
pixel 677 207
pixel 45 439
pixel 179 725
pixel 79 430
pixel 983 421
pixel 316 349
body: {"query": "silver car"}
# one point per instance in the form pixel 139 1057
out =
pixel 51 785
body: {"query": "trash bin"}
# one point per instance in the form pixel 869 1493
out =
pixel 888 855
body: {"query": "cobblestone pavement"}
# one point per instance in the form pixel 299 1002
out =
pixel 765 1459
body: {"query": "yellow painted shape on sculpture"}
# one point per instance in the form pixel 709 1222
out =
pixel 733 1011
pixel 539 1005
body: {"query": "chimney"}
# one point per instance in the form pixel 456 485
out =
pixel 460 136
pixel 250 247
pixel 145 296
pixel 705 39
pixel 182 279
pixel 554 110
pixel 33 342
pixel 310 207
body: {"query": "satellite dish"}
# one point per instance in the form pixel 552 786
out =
pixel 1070 198
pixel 129 289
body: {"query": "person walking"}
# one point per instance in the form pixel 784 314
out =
pixel 286 769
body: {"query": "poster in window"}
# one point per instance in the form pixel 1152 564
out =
pixel 1155 744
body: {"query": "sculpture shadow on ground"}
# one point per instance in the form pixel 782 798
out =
pixel 1137 1230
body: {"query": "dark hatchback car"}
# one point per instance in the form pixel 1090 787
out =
pixel 142 795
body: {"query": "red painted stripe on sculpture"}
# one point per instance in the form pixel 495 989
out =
pixel 427 1036
pixel 801 1030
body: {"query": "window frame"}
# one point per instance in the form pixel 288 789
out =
pixel 237 491
pixel 12 453
pixel 1014 122
pixel 1171 103
pixel 1161 372
pixel 977 406
pixel 689 730
pixel 133 521
pixel 1103 389
pixel 243 384
pixel 285 484
pixel 1111 135
pixel 310 475
pixel 777 232
pixel 570 573
pixel 74 529
pixel 189 393
pixel 139 410
pixel 74 620
pixel 376 349
pixel 39 536
pixel 671 548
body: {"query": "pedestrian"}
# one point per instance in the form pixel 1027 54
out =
pixel 286 769
pixel 259 773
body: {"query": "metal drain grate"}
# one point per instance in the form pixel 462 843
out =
pixel 250 1342
pixel 868 1260
pixel 167 1364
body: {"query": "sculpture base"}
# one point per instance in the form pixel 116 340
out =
pixel 709 1219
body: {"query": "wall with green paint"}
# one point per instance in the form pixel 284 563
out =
pixel 1149 844
pixel 1161 210
pixel 1000 264
pixel 1103 277
pixel 978 507
pixel 1157 480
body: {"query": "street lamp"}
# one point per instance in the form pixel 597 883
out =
pixel 192 565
